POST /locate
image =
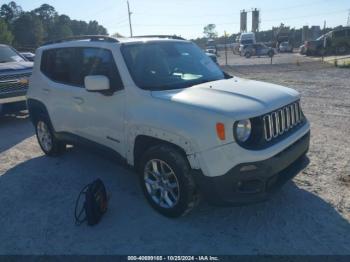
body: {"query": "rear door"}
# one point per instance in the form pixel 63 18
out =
pixel 59 68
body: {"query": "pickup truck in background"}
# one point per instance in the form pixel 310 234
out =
pixel 15 71
pixel 335 42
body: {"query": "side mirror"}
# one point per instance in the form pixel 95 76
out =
pixel 227 76
pixel 95 83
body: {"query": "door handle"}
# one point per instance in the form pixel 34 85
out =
pixel 78 100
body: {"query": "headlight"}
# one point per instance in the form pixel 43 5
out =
pixel 243 129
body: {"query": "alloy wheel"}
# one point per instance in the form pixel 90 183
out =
pixel 161 183
pixel 44 136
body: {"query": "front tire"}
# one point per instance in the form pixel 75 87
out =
pixel 166 181
pixel 50 145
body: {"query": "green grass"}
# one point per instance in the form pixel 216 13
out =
pixel 341 63
pixel 345 65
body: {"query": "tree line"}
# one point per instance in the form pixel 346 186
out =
pixel 26 30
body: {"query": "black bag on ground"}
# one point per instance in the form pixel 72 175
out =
pixel 95 204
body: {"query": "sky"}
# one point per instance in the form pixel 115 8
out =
pixel 187 18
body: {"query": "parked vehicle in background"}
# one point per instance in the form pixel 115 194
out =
pixel 211 50
pixel 169 111
pixel 285 47
pixel 28 55
pixel 211 47
pixel 213 57
pixel 316 47
pixel 258 49
pixel 247 38
pixel 338 41
pixel 14 78
pixel 335 42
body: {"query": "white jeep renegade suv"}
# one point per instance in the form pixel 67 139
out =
pixel 169 111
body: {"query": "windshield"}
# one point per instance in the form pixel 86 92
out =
pixel 247 41
pixel 7 54
pixel 169 65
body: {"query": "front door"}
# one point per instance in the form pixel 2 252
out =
pixel 100 115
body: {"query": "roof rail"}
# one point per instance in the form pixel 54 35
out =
pixel 161 36
pixel 84 37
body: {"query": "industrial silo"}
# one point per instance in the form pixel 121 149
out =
pixel 255 20
pixel 243 21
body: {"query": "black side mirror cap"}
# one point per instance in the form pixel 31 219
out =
pixel 227 76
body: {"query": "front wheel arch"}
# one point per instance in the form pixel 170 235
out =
pixel 144 142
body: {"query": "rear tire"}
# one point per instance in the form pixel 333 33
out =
pixel 50 145
pixel 248 55
pixel 166 181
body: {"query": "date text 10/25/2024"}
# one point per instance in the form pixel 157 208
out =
pixel 173 258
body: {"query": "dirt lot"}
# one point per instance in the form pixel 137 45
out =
pixel 310 215
pixel 280 58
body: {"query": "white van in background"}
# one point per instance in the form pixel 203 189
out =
pixel 247 38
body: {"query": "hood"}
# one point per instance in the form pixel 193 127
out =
pixel 14 66
pixel 236 97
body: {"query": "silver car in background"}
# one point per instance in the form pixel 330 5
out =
pixel 286 47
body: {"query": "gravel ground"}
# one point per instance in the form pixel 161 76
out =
pixel 278 59
pixel 310 215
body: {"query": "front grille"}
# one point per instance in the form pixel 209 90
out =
pixel 281 121
pixel 12 83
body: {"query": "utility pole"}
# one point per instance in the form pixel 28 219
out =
pixel 348 18
pixel 129 14
pixel 226 48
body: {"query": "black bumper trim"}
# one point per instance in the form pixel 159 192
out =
pixel 238 187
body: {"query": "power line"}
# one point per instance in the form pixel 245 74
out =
pixel 181 25
pixel 297 17
pixel 230 23
pixel 102 10
pixel 233 13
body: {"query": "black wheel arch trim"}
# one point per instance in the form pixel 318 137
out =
pixel 36 107
pixel 144 142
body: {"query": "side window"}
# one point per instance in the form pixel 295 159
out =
pixel 97 61
pixel 60 65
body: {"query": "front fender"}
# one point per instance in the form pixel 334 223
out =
pixel 141 130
